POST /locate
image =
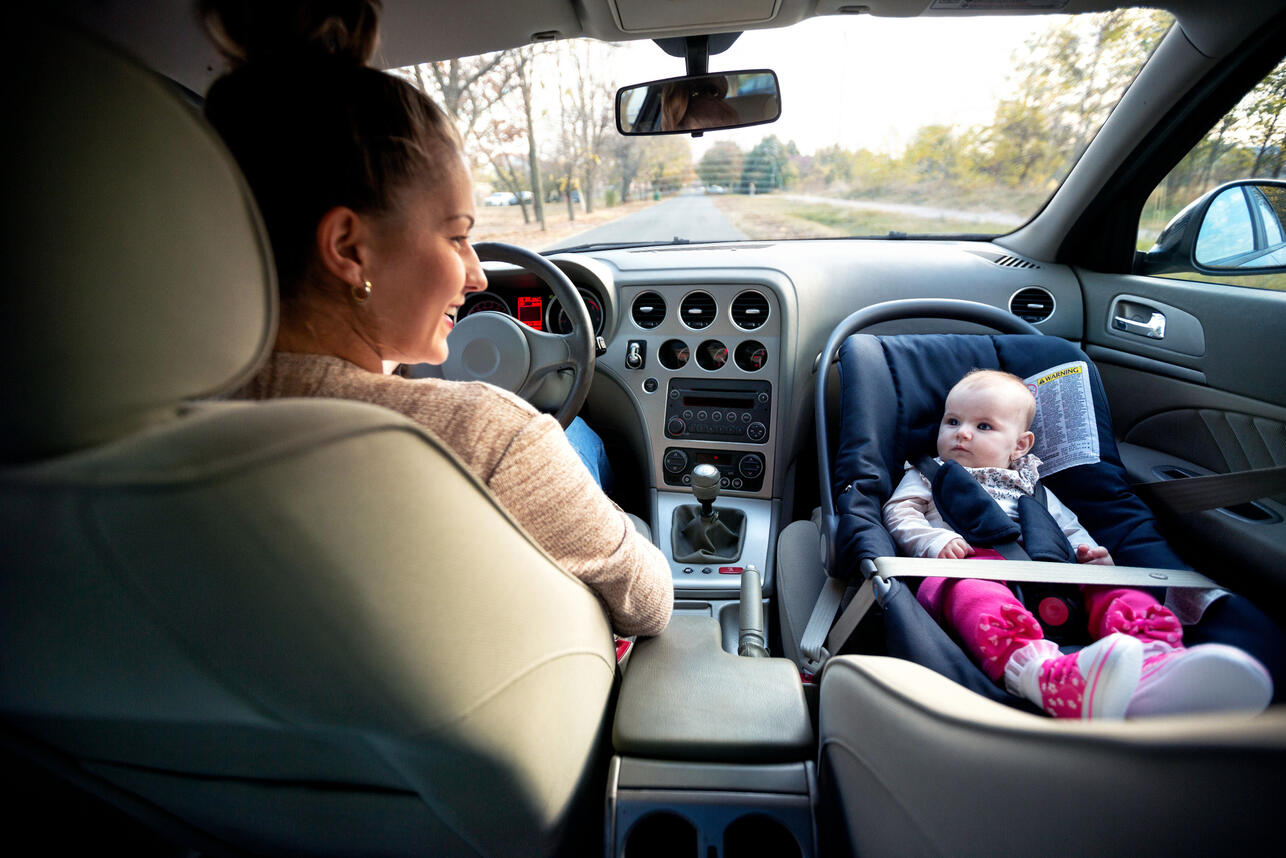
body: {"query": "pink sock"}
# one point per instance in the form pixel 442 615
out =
pixel 986 616
pixel 1132 612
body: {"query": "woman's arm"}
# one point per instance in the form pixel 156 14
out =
pixel 545 485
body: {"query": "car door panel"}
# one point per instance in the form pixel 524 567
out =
pixel 1223 410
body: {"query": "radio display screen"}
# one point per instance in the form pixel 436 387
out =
pixel 696 400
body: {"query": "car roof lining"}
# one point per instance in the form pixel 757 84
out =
pixel 166 35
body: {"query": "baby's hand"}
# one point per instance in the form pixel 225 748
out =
pixel 956 549
pixel 1097 555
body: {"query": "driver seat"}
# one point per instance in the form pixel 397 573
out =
pixel 297 627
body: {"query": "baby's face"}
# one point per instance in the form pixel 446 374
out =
pixel 984 426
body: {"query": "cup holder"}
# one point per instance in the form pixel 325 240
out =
pixel 755 835
pixel 661 834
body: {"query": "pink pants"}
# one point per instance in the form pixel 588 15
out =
pixel 992 624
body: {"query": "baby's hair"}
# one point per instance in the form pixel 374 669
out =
pixel 312 126
pixel 976 378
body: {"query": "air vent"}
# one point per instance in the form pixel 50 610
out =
pixel 749 311
pixel 648 310
pixel 1032 304
pixel 1006 260
pixel 697 310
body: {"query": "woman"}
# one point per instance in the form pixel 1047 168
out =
pixel 368 202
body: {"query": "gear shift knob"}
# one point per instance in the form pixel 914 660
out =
pixel 705 486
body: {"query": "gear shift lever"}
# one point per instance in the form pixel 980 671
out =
pixel 703 534
pixel 705 488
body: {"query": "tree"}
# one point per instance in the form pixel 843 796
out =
pixel 627 155
pixel 721 164
pixel 466 88
pixel 765 167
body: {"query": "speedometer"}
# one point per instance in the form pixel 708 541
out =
pixel 560 323
pixel 485 303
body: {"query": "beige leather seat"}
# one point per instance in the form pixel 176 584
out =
pixel 912 764
pixel 291 627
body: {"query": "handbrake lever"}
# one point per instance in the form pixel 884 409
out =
pixel 751 641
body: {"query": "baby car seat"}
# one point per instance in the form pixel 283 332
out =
pixel 911 762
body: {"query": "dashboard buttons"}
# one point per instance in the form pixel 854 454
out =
pixel 675 426
pixel 751 466
pixel 756 432
pixel 650 385
pixel 739 470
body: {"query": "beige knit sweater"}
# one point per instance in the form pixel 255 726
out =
pixel 524 458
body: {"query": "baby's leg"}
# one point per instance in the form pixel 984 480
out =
pixel 1132 612
pixel 985 615
pixel 1007 643
pixel 1207 678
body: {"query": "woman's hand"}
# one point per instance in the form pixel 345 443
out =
pixel 1097 555
pixel 956 549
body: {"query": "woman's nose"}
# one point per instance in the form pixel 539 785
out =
pixel 475 277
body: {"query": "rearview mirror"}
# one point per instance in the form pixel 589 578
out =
pixel 1237 227
pixel 696 103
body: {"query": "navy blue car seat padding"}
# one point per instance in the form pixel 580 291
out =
pixel 893 389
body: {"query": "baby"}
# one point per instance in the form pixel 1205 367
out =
pixel 1137 665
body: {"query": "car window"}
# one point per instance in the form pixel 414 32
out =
pixel 1236 226
pixel 888 127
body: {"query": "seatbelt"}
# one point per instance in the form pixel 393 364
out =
pixel 1191 494
pixel 819 624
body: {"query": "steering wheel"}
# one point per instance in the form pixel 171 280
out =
pixel 497 349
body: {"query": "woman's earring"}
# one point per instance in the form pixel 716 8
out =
pixel 362 293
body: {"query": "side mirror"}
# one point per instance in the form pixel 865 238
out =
pixel 696 103
pixel 1237 227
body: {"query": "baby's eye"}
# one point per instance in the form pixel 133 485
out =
pixel 950 421
pixel 984 426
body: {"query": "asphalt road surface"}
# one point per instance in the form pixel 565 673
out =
pixel 692 217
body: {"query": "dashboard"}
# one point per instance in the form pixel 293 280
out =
pixel 711 356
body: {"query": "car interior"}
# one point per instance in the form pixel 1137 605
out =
pixel 303 627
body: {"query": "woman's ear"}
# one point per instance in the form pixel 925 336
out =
pixel 342 244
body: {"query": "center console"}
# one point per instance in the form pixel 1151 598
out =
pixel 713 752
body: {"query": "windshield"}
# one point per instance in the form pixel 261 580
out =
pixel 888 127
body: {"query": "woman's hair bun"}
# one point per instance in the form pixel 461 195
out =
pixel 274 31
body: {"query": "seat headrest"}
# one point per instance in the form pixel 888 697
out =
pixel 140 272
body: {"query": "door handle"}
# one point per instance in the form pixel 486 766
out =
pixel 1153 328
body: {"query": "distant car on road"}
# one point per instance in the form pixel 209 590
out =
pixel 500 198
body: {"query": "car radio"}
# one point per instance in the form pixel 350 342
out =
pixel 718 410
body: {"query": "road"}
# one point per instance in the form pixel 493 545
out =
pixel 692 217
